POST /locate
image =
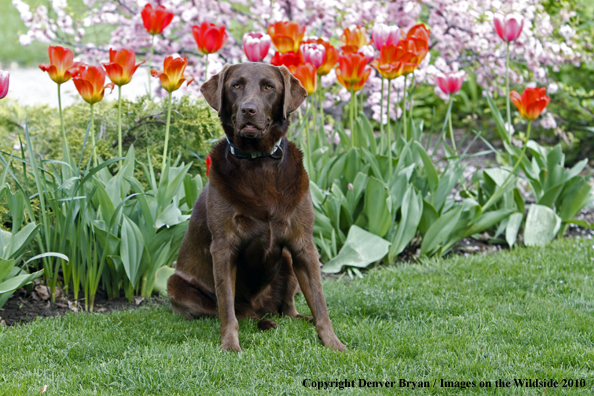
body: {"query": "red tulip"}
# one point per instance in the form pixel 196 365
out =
pixel 121 66
pixel 314 54
pixel 331 55
pixel 156 19
pixel 306 73
pixel 173 77
pixel 450 83
pixel 62 66
pixel 286 36
pixel 353 38
pixel 509 27
pixel 256 46
pixel 89 81
pixel 291 60
pixel 209 37
pixel 208 164
pixel 532 102
pixel 4 82
pixel 382 34
pixel 352 72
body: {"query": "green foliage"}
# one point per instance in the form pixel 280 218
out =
pixel 193 125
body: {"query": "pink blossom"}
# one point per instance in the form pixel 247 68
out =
pixel 4 82
pixel 450 83
pixel 368 52
pixel 509 27
pixel 256 46
pixel 314 54
pixel 382 34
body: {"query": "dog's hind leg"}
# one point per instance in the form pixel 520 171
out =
pixel 290 280
pixel 188 300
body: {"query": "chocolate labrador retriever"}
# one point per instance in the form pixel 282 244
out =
pixel 249 243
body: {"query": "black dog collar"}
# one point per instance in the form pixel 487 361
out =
pixel 276 153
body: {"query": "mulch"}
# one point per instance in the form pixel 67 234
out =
pixel 26 305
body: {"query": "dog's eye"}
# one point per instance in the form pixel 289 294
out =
pixel 268 86
pixel 236 86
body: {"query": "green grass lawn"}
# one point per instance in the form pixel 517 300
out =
pixel 524 314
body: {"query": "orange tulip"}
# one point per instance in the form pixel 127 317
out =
pixel 419 34
pixel 209 37
pixel 286 36
pixel 306 73
pixel 532 102
pixel 155 19
pixel 397 60
pixel 121 66
pixel 331 55
pixel 173 77
pixel 353 38
pixel 352 72
pixel 62 66
pixel 89 81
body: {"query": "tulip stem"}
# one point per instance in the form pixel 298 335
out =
pixel 507 96
pixel 166 135
pixel 149 66
pixel 309 160
pixel 405 126
pixel 382 137
pixel 450 125
pixel 95 163
pixel 120 120
pixel 321 134
pixel 503 186
pixel 66 154
pixel 389 138
pixel 352 111
pixel 205 67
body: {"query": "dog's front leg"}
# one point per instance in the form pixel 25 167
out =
pixel 307 269
pixel 225 270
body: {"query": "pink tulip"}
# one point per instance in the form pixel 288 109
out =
pixel 4 80
pixel 450 83
pixel 382 34
pixel 314 54
pixel 508 27
pixel 256 46
pixel 368 52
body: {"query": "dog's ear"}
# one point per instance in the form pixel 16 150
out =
pixel 294 93
pixel 212 90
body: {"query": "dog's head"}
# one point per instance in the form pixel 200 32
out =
pixel 253 101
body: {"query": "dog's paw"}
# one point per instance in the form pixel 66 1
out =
pixel 231 346
pixel 266 324
pixel 334 343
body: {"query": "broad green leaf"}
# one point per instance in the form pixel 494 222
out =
pixel 440 231
pixel 191 191
pixel 360 249
pixel 132 246
pixel 5 267
pixel 488 220
pixel 542 224
pixel 513 227
pixel 161 277
pixel 18 281
pixel 432 177
pixel 170 216
pixel 377 207
pixel 411 211
pixel 20 241
pixel 576 195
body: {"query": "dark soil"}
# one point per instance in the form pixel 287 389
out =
pixel 26 305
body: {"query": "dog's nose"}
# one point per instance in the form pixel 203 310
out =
pixel 249 109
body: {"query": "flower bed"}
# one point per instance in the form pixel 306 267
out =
pixel 376 189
